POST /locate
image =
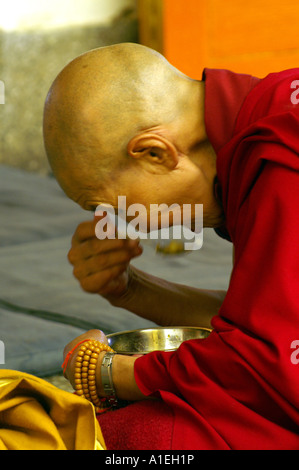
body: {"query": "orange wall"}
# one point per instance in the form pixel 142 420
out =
pixel 256 37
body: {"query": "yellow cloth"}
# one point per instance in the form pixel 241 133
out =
pixel 35 415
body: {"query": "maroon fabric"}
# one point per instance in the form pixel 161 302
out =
pixel 238 389
pixel 145 425
pixel 225 93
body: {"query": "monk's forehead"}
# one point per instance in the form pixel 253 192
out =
pixel 87 184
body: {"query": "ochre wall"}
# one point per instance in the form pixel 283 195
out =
pixel 256 37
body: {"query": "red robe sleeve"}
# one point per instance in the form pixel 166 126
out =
pixel 238 389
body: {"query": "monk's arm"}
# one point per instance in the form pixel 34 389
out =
pixel 103 267
pixel 167 303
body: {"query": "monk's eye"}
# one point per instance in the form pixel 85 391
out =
pixel 153 154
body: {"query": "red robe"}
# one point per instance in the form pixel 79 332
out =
pixel 239 388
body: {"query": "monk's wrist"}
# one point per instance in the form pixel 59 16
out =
pixel 129 298
pixel 122 380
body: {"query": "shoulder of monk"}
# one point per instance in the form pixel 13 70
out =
pixel 275 95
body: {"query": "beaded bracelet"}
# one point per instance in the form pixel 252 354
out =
pixel 85 373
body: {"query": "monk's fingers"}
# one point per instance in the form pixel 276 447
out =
pixel 91 334
pixel 84 231
pixel 71 349
pixel 97 283
pixel 102 262
pixel 101 265
pixel 92 247
pixel 87 230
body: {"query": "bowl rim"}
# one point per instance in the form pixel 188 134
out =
pixel 139 330
pixel 129 353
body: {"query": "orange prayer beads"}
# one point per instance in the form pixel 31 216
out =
pixel 85 373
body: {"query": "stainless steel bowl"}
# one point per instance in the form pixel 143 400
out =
pixel 147 340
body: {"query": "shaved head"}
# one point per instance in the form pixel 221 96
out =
pixel 99 102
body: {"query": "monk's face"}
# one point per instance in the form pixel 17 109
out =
pixel 185 184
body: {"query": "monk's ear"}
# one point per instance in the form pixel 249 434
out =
pixel 154 150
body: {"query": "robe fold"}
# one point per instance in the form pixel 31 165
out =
pixel 239 388
pixel 35 415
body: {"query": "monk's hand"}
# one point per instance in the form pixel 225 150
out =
pixel 69 371
pixel 123 368
pixel 101 266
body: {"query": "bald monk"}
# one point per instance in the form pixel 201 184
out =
pixel 122 121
